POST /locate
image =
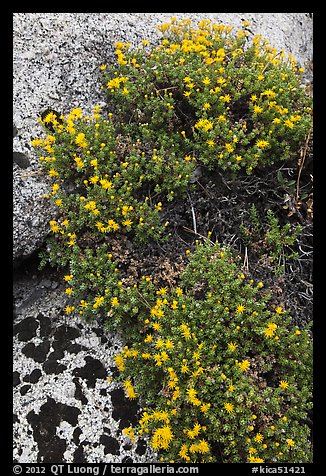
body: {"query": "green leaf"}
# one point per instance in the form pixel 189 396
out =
pixel 280 177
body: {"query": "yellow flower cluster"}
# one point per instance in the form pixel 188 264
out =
pixel 129 388
pixel 115 83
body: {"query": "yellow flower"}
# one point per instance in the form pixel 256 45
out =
pixel 269 93
pixel 192 397
pixel 69 309
pixel 259 437
pixel 37 142
pixel 225 98
pixel 162 438
pixel 183 453
pixel 157 312
pixel 194 432
pixel 106 185
pixel 114 301
pixel 148 338
pixel 290 442
pixel 130 433
pixel 232 346
pixel 205 407
pixel 244 365
pixel 79 162
pixel 204 124
pixel 184 368
pixel 201 447
pixel 80 140
pixel 240 309
pixel 131 394
pixel 127 222
pixel 185 331
pixel 162 291
pixel 228 407
pixel 258 109
pixel 53 173
pixel 270 329
pixel 54 226
pixel 253 459
pixel 169 344
pixel 98 301
pixel 289 123
pixel 283 384
pixel 262 144
pixel 229 147
pixel 159 344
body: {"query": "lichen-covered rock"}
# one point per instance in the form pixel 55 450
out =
pixel 65 408
pixel 56 58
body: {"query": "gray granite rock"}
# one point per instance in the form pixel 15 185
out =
pixel 56 57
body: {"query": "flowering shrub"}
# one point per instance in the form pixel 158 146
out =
pixel 210 94
pixel 224 372
pixel 225 375
pixel 106 177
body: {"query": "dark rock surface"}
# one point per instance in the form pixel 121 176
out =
pixel 21 160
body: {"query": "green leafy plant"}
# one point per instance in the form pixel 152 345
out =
pixel 279 240
pixel 211 94
pixel 270 239
pixel 224 372
pixel 103 183
pixel 225 375
pixel 251 233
